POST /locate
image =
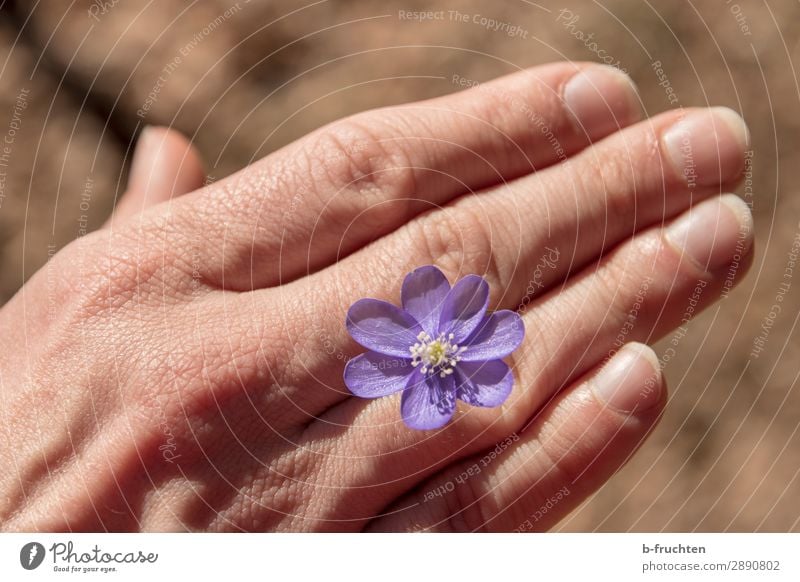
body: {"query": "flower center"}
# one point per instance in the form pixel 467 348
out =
pixel 437 356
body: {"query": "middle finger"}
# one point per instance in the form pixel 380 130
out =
pixel 525 237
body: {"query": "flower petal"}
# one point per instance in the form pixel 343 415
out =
pixel 484 383
pixel 423 294
pixel 499 334
pixel 428 402
pixel 382 327
pixel 372 375
pixel 464 307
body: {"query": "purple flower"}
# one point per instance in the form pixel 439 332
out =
pixel 442 345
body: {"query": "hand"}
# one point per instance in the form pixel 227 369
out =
pixel 182 368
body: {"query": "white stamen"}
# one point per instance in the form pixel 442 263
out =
pixel 436 355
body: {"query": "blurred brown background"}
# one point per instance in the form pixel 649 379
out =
pixel 79 79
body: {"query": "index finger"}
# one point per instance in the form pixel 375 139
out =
pixel 358 179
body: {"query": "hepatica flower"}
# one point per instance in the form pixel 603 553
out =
pixel 442 345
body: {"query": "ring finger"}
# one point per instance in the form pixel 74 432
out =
pixel 638 293
pixel 624 183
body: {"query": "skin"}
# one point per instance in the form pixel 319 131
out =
pixel 180 369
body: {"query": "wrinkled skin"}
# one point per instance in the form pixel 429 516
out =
pixel 181 369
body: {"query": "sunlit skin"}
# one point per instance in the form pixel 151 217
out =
pixel 192 375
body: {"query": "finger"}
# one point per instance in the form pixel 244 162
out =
pixel 383 167
pixel 627 181
pixel 569 213
pixel 165 165
pixel 645 288
pixel 534 478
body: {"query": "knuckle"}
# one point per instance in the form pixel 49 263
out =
pixel 466 506
pixel 614 175
pixel 271 490
pixel 362 154
pixel 628 285
pixel 462 240
pixel 566 458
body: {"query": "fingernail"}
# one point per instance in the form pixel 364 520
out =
pixel 712 233
pixel 601 99
pixel 142 156
pixel 630 381
pixel 707 147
